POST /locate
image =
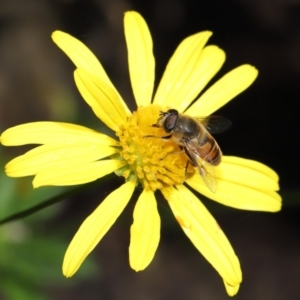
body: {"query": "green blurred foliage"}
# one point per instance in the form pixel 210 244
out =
pixel 30 254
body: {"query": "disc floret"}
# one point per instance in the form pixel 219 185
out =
pixel 152 160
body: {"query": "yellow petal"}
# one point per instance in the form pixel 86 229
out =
pixel 80 55
pixel 210 62
pixel 83 58
pixel 242 184
pixel 53 132
pixel 225 89
pixel 140 57
pixel 261 175
pixel 179 82
pixel 231 290
pixel 101 98
pixel 56 155
pixel 95 227
pixel 145 231
pixel 73 174
pixel 204 232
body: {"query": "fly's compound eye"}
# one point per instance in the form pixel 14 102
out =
pixel 170 120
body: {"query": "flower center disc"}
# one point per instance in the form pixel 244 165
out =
pixel 153 161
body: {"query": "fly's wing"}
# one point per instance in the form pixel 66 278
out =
pixel 207 174
pixel 205 170
pixel 215 124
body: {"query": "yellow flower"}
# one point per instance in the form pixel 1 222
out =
pixel 69 154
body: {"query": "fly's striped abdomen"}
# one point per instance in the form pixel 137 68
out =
pixel 209 150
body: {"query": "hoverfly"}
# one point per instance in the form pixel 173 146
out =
pixel 193 136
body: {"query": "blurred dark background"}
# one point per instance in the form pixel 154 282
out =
pixel 36 83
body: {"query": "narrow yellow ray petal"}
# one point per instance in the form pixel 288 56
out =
pixel 51 155
pixel 210 62
pixel 95 227
pixel 236 169
pixel 204 232
pixel 101 98
pixel 72 174
pixel 80 54
pixel 140 57
pixel 242 184
pixel 144 232
pixel 83 58
pixel 238 196
pixel 225 89
pixel 53 132
pixel 231 290
pixel 182 70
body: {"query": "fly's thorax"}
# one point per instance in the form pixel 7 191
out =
pixel 186 128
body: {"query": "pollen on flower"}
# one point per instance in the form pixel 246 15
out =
pixel 183 224
pixel 126 173
pixel 153 161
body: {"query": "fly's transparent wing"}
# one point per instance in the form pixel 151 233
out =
pixel 208 175
pixel 215 124
pixel 205 169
